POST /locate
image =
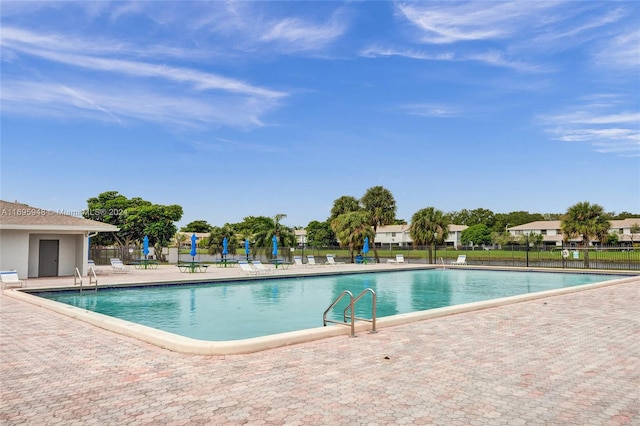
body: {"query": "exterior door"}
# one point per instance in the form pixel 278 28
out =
pixel 48 259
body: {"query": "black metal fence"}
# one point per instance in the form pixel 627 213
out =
pixel 603 258
pixel 102 255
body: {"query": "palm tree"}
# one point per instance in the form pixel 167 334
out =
pixel 380 205
pixel 180 238
pixel 218 234
pixel 588 221
pixel 351 230
pixel 429 226
pixel 344 204
pixel 276 223
pixel 264 228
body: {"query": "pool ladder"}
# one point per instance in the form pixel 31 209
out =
pixel 351 308
pixel 93 278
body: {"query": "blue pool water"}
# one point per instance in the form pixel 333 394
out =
pixel 240 310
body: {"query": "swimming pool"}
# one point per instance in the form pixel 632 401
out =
pixel 227 311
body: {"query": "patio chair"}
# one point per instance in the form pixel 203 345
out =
pixel 247 267
pixel 118 266
pixel 462 260
pixel 260 267
pixel 96 269
pixel 311 261
pixel 11 278
pixel 297 260
pixel 399 259
pixel 331 260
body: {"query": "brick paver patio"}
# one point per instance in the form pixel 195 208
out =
pixel 564 360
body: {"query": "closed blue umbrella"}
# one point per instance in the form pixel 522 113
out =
pixel 225 246
pixel 246 248
pixel 193 246
pixel 274 252
pixel 145 246
pixel 365 248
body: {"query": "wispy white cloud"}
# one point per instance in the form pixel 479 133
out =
pixel 128 8
pixel 621 51
pixel 493 57
pixel 297 34
pixel 18 39
pixel 203 97
pixel 525 34
pixel 29 43
pixel 607 132
pixel 554 30
pixel 431 110
pixel 377 51
pixel 259 27
pixel 127 104
pixel 451 22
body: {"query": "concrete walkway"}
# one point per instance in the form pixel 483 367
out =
pixel 564 360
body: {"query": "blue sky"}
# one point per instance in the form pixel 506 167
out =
pixel 233 109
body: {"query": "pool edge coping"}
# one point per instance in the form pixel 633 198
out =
pixel 186 345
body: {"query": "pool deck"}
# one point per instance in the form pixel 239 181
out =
pixel 572 359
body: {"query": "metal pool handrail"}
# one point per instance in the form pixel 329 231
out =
pixel 351 307
pixel 77 276
pixel 339 298
pixel 373 309
pixel 95 277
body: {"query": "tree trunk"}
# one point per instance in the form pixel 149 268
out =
pixel 159 255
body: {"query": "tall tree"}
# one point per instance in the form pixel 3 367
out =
pixel 351 229
pixel 505 220
pixel 261 229
pixel 320 234
pixel 276 223
pixel 136 218
pixel 344 204
pixel 157 222
pixel 380 206
pixel 477 234
pixel 473 217
pixel 218 234
pixel 588 221
pixel 429 226
pixel 200 226
pixel 112 207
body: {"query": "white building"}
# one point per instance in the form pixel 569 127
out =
pixel 398 236
pixel 301 237
pixel 41 243
pixel 551 231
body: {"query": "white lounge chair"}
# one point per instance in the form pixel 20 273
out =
pixel 331 260
pixel 11 278
pixel 399 259
pixel 462 260
pixel 248 268
pixel 259 266
pixel 96 269
pixel 297 260
pixel 311 261
pixel 118 266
